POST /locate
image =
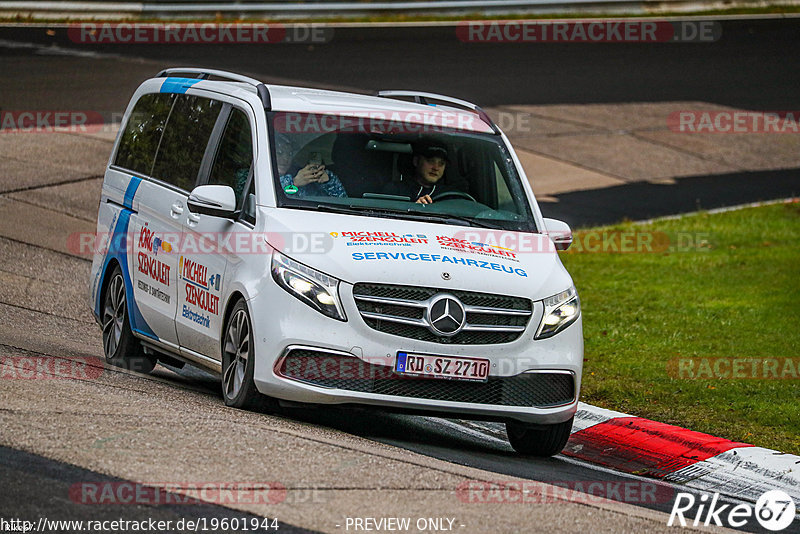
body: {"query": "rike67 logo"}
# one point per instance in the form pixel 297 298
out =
pixel 774 510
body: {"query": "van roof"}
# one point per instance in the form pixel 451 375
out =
pixel 447 111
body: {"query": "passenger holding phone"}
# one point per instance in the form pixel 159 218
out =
pixel 312 180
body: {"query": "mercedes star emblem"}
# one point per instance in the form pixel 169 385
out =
pixel 446 315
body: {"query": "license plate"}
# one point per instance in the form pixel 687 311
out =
pixel 450 367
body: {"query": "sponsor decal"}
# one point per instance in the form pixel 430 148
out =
pixel 381 238
pixel 214 281
pixel 153 268
pixel 148 265
pixel 475 247
pixel 409 256
pixel 152 243
pixel 199 318
pixel 152 290
pixel 197 288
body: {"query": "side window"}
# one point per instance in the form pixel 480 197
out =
pixel 139 142
pixel 185 139
pixel 234 157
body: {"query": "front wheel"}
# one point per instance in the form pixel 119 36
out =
pixel 238 360
pixel 120 346
pixel 538 440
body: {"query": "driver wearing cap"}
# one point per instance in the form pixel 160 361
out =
pixel 430 160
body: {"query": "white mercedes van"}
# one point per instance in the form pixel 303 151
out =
pixel 321 247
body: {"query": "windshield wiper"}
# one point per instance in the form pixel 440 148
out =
pixel 408 214
pixel 454 219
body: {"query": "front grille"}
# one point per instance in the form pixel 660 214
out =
pixel 400 311
pixel 540 390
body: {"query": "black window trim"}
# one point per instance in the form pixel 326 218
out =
pixel 225 108
pixel 123 127
pixel 212 147
pixel 161 137
pixel 210 154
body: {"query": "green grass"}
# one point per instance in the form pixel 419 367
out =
pixel 736 296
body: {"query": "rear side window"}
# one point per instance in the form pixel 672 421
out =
pixel 185 139
pixel 234 157
pixel 139 143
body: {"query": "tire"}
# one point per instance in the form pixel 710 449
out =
pixel 120 347
pixel 538 440
pixel 238 360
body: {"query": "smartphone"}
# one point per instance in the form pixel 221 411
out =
pixel 315 159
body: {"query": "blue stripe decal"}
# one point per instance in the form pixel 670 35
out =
pixel 117 248
pixel 178 85
pixel 130 192
pixel 145 334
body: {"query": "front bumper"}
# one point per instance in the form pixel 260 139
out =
pixel 283 326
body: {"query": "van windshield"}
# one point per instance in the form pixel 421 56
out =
pixel 397 170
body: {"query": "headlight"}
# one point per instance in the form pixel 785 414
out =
pixel 560 311
pixel 316 289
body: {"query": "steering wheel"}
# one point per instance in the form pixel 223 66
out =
pixel 457 194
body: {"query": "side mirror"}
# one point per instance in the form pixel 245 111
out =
pixel 213 200
pixel 559 232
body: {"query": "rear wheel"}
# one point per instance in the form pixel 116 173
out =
pixel 120 346
pixel 238 360
pixel 538 440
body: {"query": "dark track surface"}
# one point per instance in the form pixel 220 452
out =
pixel 30 481
pixel 644 200
pixel 752 66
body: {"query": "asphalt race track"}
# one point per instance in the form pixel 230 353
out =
pixel 752 67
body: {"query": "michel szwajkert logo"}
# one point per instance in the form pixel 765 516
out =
pixel 774 510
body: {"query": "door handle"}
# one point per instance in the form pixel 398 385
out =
pixel 193 219
pixel 176 210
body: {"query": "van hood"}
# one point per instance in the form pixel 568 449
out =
pixel 393 251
